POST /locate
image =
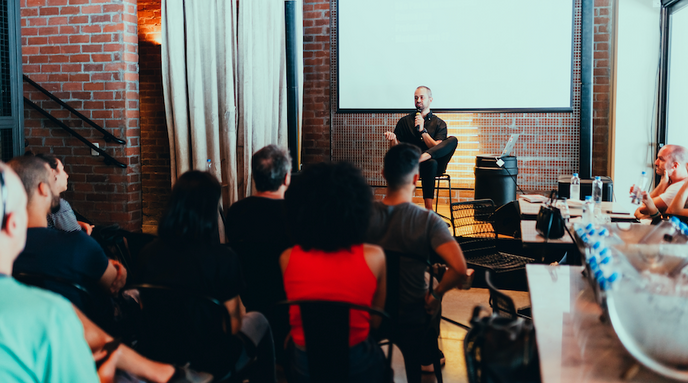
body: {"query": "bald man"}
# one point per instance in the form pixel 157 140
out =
pixel 671 166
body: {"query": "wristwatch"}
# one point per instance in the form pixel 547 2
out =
pixel 424 131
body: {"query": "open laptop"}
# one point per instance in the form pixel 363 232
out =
pixel 510 145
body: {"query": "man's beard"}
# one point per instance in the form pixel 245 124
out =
pixel 55 205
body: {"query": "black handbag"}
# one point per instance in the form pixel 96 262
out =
pixel 501 350
pixel 550 223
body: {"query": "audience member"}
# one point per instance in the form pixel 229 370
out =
pixel 256 230
pixel 396 224
pixel 43 337
pixel 72 256
pixel 328 210
pixel 671 166
pixel 188 255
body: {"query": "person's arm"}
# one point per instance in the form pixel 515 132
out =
pixel 391 138
pixel 662 186
pixel 456 274
pixel 114 277
pixel 234 307
pixel 375 258
pixel 441 132
pixel 678 204
pixel 129 360
pixel 88 229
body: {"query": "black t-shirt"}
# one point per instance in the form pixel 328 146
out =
pixel 256 229
pixel 207 269
pixel 406 130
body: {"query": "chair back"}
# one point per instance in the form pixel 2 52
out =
pixel 404 272
pixel 79 295
pixel 326 332
pixel 473 226
pixel 501 303
pixel 180 327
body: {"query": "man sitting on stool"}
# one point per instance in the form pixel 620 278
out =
pixel 429 133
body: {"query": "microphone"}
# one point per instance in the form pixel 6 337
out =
pixel 417 114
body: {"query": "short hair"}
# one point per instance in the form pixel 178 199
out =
pixel 677 153
pixel 328 207
pixel 400 164
pixel 270 165
pixel 50 159
pixel 32 171
pixel 193 209
pixel 426 88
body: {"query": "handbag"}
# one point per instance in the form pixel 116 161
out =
pixel 500 350
pixel 549 222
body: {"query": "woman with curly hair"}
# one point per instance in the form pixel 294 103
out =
pixel 329 208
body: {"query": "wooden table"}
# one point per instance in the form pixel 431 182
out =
pixel 618 211
pixel 573 343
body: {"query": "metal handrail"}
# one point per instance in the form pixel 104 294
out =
pixel 107 136
pixel 108 159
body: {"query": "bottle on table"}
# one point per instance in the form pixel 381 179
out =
pixel 210 165
pixel 587 211
pixel 597 190
pixel 636 195
pixel 563 206
pixel 574 188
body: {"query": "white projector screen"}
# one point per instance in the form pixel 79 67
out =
pixel 475 55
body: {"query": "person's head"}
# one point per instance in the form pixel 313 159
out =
pixel 36 176
pixel 671 159
pixel 13 215
pixel 192 211
pixel 328 207
pixel 60 175
pixel 271 166
pixel 422 98
pixel 401 166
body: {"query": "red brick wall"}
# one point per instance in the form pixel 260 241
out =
pixel 550 141
pixel 155 147
pixel 86 53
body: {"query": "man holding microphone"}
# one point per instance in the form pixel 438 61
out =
pixel 429 133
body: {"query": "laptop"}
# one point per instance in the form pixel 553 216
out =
pixel 510 145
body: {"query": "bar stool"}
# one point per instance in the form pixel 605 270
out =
pixel 443 177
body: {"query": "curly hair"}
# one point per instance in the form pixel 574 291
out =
pixel 192 212
pixel 400 164
pixel 328 207
pixel 270 165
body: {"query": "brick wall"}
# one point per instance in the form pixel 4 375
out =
pixel 86 53
pixel 549 144
pixel 155 148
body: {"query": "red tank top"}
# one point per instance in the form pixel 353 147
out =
pixel 342 275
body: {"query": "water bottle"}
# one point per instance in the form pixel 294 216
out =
pixel 636 196
pixel 666 232
pixel 597 190
pixel 574 189
pixel 563 207
pixel 210 165
pixel 587 210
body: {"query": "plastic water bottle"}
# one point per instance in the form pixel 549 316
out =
pixel 587 210
pixel 636 196
pixel 597 190
pixel 574 189
pixel 665 232
pixel 210 165
pixel 563 206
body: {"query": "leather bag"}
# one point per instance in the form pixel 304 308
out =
pixel 550 223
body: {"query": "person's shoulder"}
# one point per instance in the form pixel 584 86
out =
pixel 30 298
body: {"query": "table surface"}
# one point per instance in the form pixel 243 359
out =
pixel 616 210
pixel 530 236
pixel 573 343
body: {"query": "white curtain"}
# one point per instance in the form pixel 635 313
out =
pixel 224 83
pixel 262 83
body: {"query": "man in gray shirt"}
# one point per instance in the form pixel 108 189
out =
pixel 398 225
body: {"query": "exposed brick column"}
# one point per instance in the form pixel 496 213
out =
pixel 316 92
pixel 86 53
pixel 601 87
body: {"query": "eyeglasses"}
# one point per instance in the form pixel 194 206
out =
pixel 3 195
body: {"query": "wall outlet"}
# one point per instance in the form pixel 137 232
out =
pixel 93 152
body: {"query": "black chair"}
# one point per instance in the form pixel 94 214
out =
pixel 475 232
pixel 409 336
pixel 79 295
pixel 181 327
pixel 502 304
pixel 326 332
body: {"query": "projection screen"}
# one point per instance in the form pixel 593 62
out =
pixel 475 55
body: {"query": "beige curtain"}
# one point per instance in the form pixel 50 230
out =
pixel 261 79
pixel 198 69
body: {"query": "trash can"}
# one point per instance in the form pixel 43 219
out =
pixel 495 182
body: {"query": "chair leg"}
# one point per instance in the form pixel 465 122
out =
pixel 450 203
pixel 437 192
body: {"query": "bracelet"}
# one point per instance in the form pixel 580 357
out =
pixel 432 292
pixel 655 214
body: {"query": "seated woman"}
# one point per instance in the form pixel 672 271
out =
pixel 328 206
pixel 188 255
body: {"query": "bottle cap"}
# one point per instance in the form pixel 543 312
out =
pixel 614 277
pixel 603 232
pixel 597 178
pixel 588 198
pixel 604 252
pixel 596 245
pixel 675 220
pixel 575 174
pixel 643 173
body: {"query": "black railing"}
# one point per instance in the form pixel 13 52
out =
pixel 107 136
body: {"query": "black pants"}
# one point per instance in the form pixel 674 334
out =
pixel 441 154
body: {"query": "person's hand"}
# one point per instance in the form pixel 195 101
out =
pixel 120 279
pixel 85 227
pixel 389 136
pixel 432 305
pixel 106 371
pixel 649 203
pixel 420 122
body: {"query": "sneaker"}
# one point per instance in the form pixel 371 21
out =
pixel 430 368
pixel 186 375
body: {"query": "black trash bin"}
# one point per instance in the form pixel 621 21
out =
pixel 495 182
